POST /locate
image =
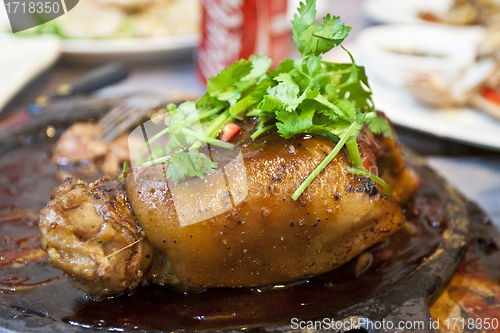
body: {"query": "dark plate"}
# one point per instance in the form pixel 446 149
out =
pixel 395 289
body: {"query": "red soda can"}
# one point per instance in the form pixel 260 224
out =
pixel 236 29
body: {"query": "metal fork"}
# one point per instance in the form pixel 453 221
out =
pixel 129 113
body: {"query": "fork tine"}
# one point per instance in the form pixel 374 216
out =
pixel 111 115
pixel 118 116
pixel 122 126
pixel 125 115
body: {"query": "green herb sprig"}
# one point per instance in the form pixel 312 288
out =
pixel 307 95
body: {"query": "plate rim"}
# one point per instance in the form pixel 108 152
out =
pixel 129 45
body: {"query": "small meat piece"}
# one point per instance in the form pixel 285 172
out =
pixel 79 143
pixel 118 153
pixel 82 142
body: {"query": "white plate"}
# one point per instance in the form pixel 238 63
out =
pixel 464 125
pixel 403 11
pixel 123 49
pixel 22 59
pixel 130 49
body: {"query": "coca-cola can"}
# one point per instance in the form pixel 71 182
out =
pixel 236 29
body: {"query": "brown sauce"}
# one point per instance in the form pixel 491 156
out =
pixel 27 179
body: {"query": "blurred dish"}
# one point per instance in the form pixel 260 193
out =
pixel 127 30
pixel 466 17
pixel 477 81
pixel 21 60
pixel 397 11
pixel 398 53
pixel 465 125
pixel 488 100
pixel 465 12
pixel 105 19
pixel 437 65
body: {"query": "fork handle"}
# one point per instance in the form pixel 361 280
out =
pixel 94 80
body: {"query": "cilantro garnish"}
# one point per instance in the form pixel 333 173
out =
pixel 191 163
pixel 307 95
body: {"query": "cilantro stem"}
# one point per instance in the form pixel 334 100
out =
pixel 216 123
pixel 353 150
pixel 157 161
pixel 218 129
pixel 202 138
pixel 325 162
pixel 252 113
pixel 378 180
pixel 126 166
pixel 241 106
pixel 202 116
pixel 261 131
pixel 150 141
pixel 166 130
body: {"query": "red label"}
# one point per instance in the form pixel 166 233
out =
pixel 235 29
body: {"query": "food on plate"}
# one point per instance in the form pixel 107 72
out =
pixel 271 177
pixel 478 87
pixel 97 19
pixel 466 12
pixel 82 144
pixel 488 100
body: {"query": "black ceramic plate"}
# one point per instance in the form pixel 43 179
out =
pixel 406 270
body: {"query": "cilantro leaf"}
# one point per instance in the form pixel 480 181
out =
pixel 223 86
pixel 313 63
pixel 332 34
pixel 207 103
pixel 286 91
pixel 193 164
pixel 353 86
pixel 302 20
pixel 293 123
pixel 231 82
pixel 260 65
pixel 313 38
pixel 379 125
pixel 270 104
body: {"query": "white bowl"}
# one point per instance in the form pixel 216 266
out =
pixel 400 53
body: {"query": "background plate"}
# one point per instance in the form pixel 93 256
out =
pixel 465 125
pixel 129 49
pixel 86 51
pixel 406 11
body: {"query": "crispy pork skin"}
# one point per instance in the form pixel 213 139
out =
pixel 267 238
